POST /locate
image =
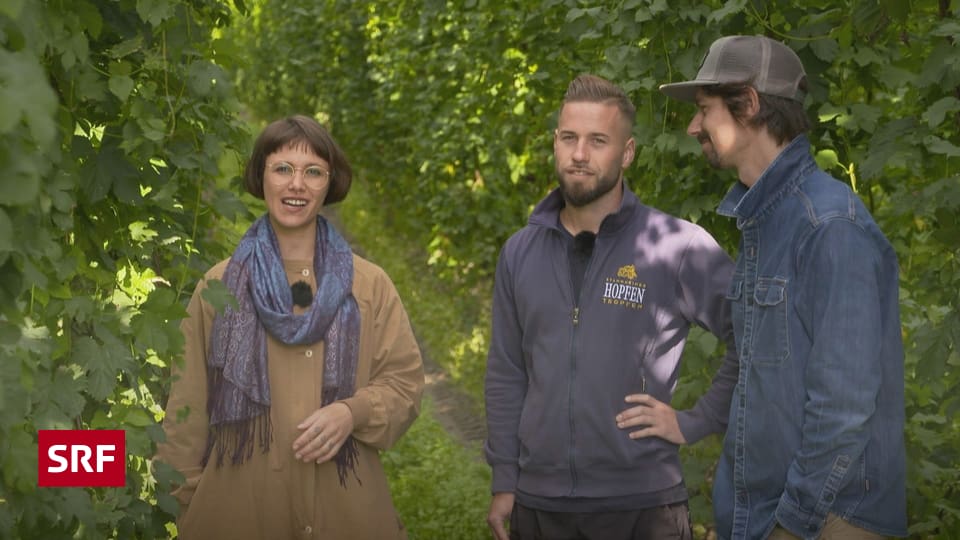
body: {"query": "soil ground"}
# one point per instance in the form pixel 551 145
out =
pixel 455 410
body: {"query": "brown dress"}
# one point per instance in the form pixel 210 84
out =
pixel 272 495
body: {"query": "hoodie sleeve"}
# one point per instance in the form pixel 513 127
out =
pixel 506 382
pixel 705 273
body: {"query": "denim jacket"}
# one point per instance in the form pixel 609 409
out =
pixel 817 417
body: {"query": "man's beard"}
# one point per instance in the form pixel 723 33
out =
pixel 579 195
pixel 710 153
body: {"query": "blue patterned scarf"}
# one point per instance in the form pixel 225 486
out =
pixel 238 399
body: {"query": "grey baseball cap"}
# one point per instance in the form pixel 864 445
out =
pixel 770 66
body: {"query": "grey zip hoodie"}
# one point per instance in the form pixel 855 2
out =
pixel 559 367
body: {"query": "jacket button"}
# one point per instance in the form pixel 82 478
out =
pixel 305 272
pixel 308 530
pixel 308 353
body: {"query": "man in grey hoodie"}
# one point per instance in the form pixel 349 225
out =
pixel 593 301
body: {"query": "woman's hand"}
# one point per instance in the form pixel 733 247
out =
pixel 324 432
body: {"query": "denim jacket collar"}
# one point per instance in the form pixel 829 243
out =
pixel 750 205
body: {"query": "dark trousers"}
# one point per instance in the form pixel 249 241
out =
pixel 661 523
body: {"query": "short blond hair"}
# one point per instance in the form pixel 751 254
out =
pixel 593 89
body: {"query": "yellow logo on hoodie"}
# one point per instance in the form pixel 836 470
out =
pixel 629 271
pixel 624 290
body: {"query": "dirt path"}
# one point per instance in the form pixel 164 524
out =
pixel 458 412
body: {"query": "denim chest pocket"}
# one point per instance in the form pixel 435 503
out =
pixel 770 340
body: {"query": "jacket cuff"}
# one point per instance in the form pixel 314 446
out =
pixel 361 409
pixel 804 524
pixel 504 479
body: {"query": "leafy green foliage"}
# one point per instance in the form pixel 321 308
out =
pixel 440 488
pixel 120 140
pixel 113 118
pixel 447 108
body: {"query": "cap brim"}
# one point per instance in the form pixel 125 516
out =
pixel 685 91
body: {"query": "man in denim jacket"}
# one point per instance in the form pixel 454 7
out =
pixel 814 447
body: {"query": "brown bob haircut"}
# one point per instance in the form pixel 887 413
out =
pixel 298 130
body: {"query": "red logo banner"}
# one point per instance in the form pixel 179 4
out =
pixel 81 458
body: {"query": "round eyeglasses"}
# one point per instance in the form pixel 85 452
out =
pixel 281 173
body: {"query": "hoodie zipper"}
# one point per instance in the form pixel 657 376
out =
pixel 575 319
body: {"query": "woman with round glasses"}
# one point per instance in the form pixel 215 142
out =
pixel 285 398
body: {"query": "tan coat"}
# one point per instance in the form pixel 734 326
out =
pixel 272 495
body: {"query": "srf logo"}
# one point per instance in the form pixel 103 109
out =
pixel 81 458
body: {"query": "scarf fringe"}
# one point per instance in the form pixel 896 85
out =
pixel 346 460
pixel 237 438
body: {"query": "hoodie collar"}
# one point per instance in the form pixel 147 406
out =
pixel 547 211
